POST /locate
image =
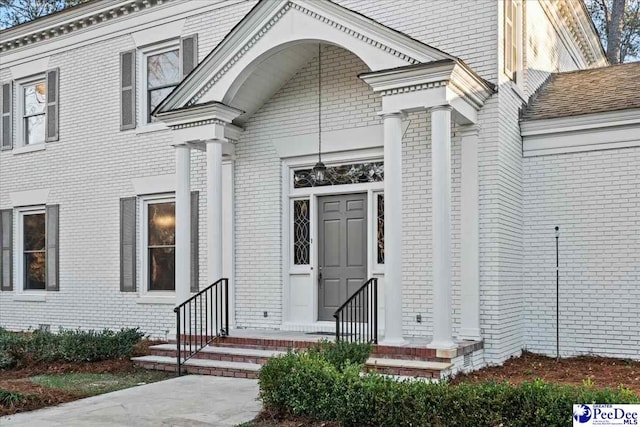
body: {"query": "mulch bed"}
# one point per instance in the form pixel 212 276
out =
pixel 38 396
pixel 601 372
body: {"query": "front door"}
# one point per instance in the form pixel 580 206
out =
pixel 342 250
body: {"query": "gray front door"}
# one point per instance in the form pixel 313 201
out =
pixel 342 250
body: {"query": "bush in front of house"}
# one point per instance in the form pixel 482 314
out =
pixel 340 353
pixel 310 386
pixel 67 345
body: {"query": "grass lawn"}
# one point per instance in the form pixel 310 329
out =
pixel 38 385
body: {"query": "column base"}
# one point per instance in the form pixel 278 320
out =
pixel 442 345
pixel 393 342
pixel 470 334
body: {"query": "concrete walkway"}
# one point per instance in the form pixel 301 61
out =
pixel 189 401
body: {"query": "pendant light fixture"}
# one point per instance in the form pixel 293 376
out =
pixel 319 170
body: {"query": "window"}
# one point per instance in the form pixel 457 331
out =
pixel 34 102
pixel 343 174
pixel 301 232
pixel 161 245
pixel 34 253
pixel 162 76
pixel 380 228
pixel 512 38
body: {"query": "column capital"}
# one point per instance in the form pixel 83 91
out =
pixel 467 130
pixel 444 107
pixel 399 114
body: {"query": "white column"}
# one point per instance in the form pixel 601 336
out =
pixel 183 223
pixel 214 210
pixel 441 208
pixel 392 229
pixel 469 237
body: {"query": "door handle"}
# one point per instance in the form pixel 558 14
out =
pixel 320 275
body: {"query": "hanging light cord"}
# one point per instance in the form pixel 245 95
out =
pixel 319 103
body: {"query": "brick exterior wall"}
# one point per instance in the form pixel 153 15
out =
pixel 92 166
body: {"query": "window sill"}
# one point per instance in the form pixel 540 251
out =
pixel 30 148
pixel 157 299
pixel 150 127
pixel 39 297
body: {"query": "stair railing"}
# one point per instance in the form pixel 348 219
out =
pixel 357 318
pixel 201 319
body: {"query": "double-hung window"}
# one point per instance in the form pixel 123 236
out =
pixel 34 250
pixel 161 244
pixel 34 103
pixel 162 76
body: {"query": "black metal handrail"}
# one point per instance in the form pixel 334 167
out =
pixel 201 319
pixel 357 318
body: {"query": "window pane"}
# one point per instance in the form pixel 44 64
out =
pixel 342 174
pixel 156 96
pixel 34 270
pixel 162 273
pixel 301 233
pixel 380 231
pixel 34 129
pixel 162 224
pixel 34 232
pixel 163 69
pixel 35 98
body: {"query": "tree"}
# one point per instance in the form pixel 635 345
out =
pixel 16 12
pixel 618 23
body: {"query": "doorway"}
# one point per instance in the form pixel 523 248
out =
pixel 342 250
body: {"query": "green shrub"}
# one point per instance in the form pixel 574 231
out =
pixel 66 345
pixel 9 398
pixel 308 385
pixel 341 353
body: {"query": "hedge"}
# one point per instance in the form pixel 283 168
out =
pixel 66 345
pixel 310 386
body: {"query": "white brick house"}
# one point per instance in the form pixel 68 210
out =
pixel 432 93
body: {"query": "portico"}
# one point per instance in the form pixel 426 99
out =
pixel 409 76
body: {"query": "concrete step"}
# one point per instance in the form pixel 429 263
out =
pixel 228 354
pixel 407 368
pixel 218 368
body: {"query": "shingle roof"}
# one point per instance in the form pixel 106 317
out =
pixel 598 90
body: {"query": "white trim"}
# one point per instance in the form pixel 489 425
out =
pixel 312 193
pixel 38 66
pixel 156 299
pixel 31 296
pixel 589 132
pixel 18 256
pixel 144 291
pixel 155 35
pixel 154 184
pixel 143 19
pixel 29 198
pixel 29 148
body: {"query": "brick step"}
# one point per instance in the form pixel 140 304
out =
pixel 227 354
pixel 218 368
pixel 407 368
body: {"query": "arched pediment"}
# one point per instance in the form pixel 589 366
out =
pixel 274 29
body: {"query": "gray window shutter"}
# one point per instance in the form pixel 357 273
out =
pixel 189 53
pixel 195 241
pixel 53 91
pixel 128 219
pixel 128 90
pixel 53 253
pixel 6 250
pixel 6 122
